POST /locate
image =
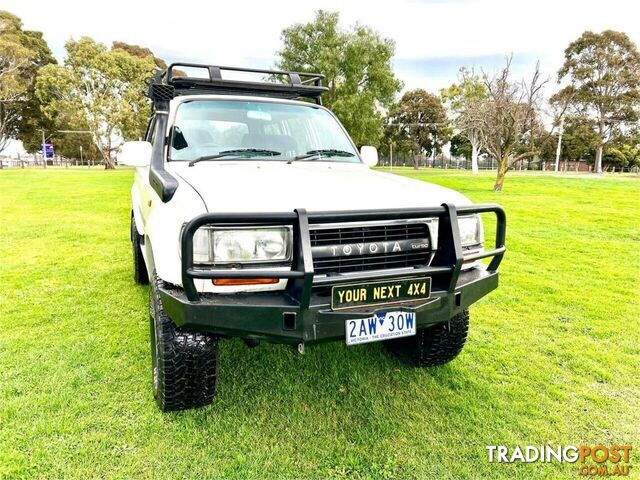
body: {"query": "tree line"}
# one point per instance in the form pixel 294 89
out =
pixel 97 96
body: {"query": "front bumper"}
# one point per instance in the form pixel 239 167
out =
pixel 302 313
pixel 280 318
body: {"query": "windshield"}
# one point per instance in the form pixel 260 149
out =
pixel 223 130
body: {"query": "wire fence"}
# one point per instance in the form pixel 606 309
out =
pixel 419 161
pixel 462 163
pixel 36 160
pixel 488 163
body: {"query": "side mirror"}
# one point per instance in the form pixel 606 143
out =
pixel 369 155
pixel 135 154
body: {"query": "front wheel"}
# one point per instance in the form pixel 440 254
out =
pixel 184 363
pixel 435 345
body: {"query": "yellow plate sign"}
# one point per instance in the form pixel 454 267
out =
pixel 390 292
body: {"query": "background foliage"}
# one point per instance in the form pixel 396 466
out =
pixel 100 88
pixel 22 54
pixel 357 68
pixel 503 119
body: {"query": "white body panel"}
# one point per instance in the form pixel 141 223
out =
pixel 264 186
pixel 271 186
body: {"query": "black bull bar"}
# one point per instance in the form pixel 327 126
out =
pixel 446 265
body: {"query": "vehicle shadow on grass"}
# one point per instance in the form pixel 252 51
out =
pixel 351 389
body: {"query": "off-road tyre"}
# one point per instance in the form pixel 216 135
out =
pixel 184 363
pixel 435 345
pixel 140 274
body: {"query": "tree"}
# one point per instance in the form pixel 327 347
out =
pixel 143 52
pixel 461 147
pixel 510 128
pixel 140 52
pixel 419 118
pixel 579 138
pixel 395 138
pixel 68 144
pixel 547 149
pixel 604 71
pixel 622 151
pixel 357 69
pixel 22 53
pixel 101 90
pixel 466 99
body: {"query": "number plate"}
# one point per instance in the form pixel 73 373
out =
pixel 380 326
pixel 380 293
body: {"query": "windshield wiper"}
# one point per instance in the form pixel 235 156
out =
pixel 324 152
pixel 246 152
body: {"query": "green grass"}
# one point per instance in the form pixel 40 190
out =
pixel 552 357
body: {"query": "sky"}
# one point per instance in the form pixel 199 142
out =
pixel 434 38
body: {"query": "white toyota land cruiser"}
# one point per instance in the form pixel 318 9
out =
pixel 255 216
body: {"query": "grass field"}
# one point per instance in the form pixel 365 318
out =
pixel 553 355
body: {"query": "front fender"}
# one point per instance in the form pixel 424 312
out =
pixel 163 227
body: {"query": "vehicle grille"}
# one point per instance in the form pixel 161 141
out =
pixel 329 244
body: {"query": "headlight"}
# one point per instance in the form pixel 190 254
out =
pixel 249 245
pixel 242 245
pixel 471 231
pixel 202 246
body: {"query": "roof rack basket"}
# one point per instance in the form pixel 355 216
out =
pixel 173 82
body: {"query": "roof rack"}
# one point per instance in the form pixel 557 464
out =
pixel 172 83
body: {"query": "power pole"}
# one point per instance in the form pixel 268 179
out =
pixel 559 147
pixel 391 153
